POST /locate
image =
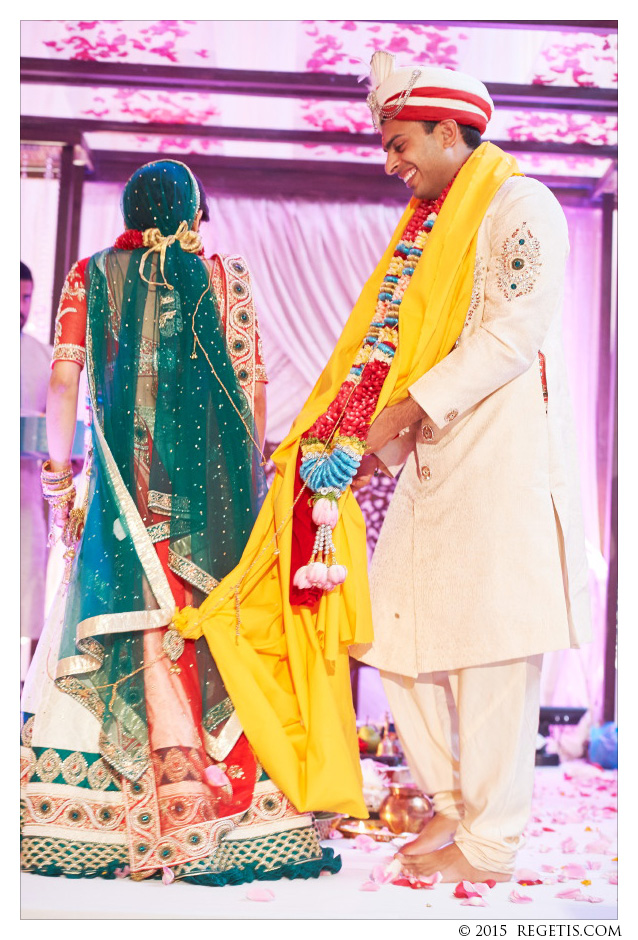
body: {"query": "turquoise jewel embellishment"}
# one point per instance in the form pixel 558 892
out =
pixel 518 263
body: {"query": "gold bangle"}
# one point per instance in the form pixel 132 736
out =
pixel 54 476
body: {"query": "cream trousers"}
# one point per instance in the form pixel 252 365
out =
pixel 469 736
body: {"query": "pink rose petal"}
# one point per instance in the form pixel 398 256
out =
pixel 525 874
pixel 613 878
pixel 168 875
pixel 572 894
pixel 257 893
pixel 593 866
pixel 590 898
pixel 215 777
pixel 122 872
pixel 335 834
pixel 517 898
pixel 369 886
pixel 365 843
pixel 474 901
pixel 599 848
pixel 576 871
pixel 568 846
pixel 550 880
pixel 547 868
pixel 545 848
pixel 381 874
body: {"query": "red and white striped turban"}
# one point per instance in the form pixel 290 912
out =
pixel 426 94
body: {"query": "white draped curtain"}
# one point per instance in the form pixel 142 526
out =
pixel 308 261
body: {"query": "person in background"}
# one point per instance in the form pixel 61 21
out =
pixel 134 759
pixel 35 359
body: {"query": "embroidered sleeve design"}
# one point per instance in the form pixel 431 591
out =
pixel 478 289
pixel 70 323
pixel 240 325
pixel 519 263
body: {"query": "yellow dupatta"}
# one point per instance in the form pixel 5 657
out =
pixel 286 668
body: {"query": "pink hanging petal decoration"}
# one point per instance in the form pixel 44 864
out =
pixel 257 893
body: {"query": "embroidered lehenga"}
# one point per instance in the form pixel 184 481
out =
pixel 133 758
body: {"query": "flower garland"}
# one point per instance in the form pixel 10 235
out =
pixel 134 238
pixel 332 449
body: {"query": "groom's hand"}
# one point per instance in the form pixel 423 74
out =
pixel 366 471
pixel 391 421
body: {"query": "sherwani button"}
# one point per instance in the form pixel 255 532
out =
pixel 427 432
pixel 451 415
pixel 425 473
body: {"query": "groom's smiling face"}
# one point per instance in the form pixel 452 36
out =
pixel 424 161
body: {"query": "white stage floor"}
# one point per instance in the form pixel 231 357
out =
pixel 571 839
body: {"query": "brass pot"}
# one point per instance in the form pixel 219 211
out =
pixel 406 809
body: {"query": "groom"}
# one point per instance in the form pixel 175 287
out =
pixel 480 566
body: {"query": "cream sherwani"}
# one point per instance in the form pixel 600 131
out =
pixel 481 558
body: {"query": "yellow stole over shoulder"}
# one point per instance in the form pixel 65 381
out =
pixel 287 671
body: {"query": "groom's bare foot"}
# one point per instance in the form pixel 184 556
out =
pixel 437 832
pixel 452 864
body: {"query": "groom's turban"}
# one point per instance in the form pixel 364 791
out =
pixel 426 94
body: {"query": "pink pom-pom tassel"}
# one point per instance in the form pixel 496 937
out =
pixel 300 579
pixel 337 574
pixel 317 573
pixel 325 512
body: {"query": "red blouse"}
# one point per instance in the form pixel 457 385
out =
pixel 233 291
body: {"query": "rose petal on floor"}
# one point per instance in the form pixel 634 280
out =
pixel 168 875
pixel 257 893
pixel 370 886
pixel 517 898
pixel 366 844
pixel 568 846
pixel 572 894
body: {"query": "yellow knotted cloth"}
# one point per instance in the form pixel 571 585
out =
pixel 155 242
pixel 287 671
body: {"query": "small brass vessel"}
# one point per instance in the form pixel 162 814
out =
pixel 406 809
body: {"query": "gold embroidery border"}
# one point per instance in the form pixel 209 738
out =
pixel 191 572
pixel 222 745
pixel 69 352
